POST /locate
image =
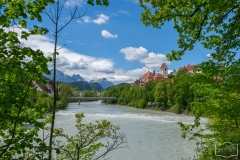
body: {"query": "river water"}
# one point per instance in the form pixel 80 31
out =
pixel 151 135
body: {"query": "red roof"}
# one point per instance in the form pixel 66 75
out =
pixel 163 65
pixel 147 75
pixel 44 88
pixel 188 67
pixel 147 80
pixel 158 76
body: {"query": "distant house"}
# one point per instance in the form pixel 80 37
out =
pixel 98 94
pixel 153 76
pixel 81 93
pixel 40 87
pixel 173 72
pixel 189 68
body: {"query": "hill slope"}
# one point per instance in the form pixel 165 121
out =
pixel 103 82
pixel 83 85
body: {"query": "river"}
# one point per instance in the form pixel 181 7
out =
pixel 151 135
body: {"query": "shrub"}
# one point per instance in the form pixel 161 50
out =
pixel 141 103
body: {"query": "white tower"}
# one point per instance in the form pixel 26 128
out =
pixel 164 70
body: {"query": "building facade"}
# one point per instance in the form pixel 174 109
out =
pixel 153 76
pixel 189 68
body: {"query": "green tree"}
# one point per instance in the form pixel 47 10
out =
pixel 65 90
pixel 44 102
pixel 217 96
pixel 149 91
pixel 19 67
pixel 170 92
pixel 123 99
pixel 88 93
pixel 183 95
pixel 142 103
pixel 138 93
pixel 160 93
pixel 215 24
pixel 171 75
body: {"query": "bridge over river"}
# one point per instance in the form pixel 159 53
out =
pixel 93 98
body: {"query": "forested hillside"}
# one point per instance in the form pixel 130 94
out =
pixel 83 85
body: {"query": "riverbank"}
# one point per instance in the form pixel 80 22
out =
pixel 169 110
pixel 172 109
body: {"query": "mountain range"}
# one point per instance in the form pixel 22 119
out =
pixel 77 81
pixel 61 77
pixel 103 82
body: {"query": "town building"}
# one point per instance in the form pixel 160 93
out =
pixel 164 70
pixel 153 76
pixel 189 68
pixel 173 72
pixel 40 87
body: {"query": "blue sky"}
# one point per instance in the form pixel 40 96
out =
pixel 112 42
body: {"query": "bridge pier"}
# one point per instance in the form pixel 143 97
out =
pixel 107 102
pixel 79 102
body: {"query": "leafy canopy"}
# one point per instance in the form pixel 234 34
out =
pixel 19 67
pixel 213 23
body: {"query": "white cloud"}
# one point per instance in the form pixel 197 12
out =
pixel 80 64
pixel 123 12
pixel 154 60
pixel 86 19
pixel 129 76
pixel 133 1
pixel 103 65
pixel 82 44
pixel 78 21
pixel 132 53
pixel 209 56
pixel 101 19
pixel 71 62
pixel 72 3
pixel 62 61
pixel 137 73
pixel 107 34
pixel 68 41
pixel 151 60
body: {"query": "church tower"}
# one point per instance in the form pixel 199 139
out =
pixel 164 70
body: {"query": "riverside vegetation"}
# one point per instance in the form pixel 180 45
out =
pixel 173 96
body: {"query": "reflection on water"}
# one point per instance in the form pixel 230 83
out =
pixel 151 135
